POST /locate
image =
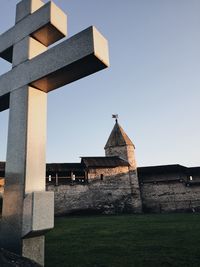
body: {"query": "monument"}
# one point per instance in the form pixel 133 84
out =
pixel 28 211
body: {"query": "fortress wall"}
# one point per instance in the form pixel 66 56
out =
pixel 111 195
pixel 120 193
pixel 120 151
pixel 170 196
pixel 95 174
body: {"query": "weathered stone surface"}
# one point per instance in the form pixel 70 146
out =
pixel 26 141
pixel 170 197
pixel 79 56
pixel 111 195
pixel 33 248
pixel 27 7
pixel 8 259
pixel 38 213
pixel 27 49
pixel 43 25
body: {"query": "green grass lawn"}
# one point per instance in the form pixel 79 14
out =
pixel 125 241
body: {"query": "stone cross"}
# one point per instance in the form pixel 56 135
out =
pixel 28 210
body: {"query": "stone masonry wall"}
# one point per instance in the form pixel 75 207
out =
pixel 111 195
pixel 170 197
pixel 119 192
pixel 95 174
pixel 120 151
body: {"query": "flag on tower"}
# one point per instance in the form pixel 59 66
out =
pixel 115 116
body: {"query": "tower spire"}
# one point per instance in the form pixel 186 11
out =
pixel 119 144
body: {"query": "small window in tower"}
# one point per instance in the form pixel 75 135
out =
pixel 191 178
pixel 101 177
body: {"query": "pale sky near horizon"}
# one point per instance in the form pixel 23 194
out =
pixel 153 82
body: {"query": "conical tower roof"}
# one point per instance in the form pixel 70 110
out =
pixel 118 137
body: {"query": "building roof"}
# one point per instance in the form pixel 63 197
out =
pixel 161 169
pixel 162 173
pixel 194 171
pixel 166 173
pixel 102 162
pixel 64 167
pixel 118 137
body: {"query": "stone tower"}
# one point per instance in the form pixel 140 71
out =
pixel 119 144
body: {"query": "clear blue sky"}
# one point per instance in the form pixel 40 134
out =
pixel 153 82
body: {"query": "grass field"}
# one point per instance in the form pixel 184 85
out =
pixel 125 241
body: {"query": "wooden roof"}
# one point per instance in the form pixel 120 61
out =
pixel 103 162
pixel 161 169
pixel 166 173
pixel 64 167
pixel 118 137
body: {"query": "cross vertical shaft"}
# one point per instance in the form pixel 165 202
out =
pixel 26 150
pixel 28 211
pixel 24 173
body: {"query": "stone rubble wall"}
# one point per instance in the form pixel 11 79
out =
pixel 130 176
pixel 95 174
pixel 171 196
pixel 120 151
pixel 119 192
pixel 111 195
pixel 125 152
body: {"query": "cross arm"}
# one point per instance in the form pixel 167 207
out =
pixel 47 25
pixel 79 56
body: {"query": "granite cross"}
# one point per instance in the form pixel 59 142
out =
pixel 28 210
